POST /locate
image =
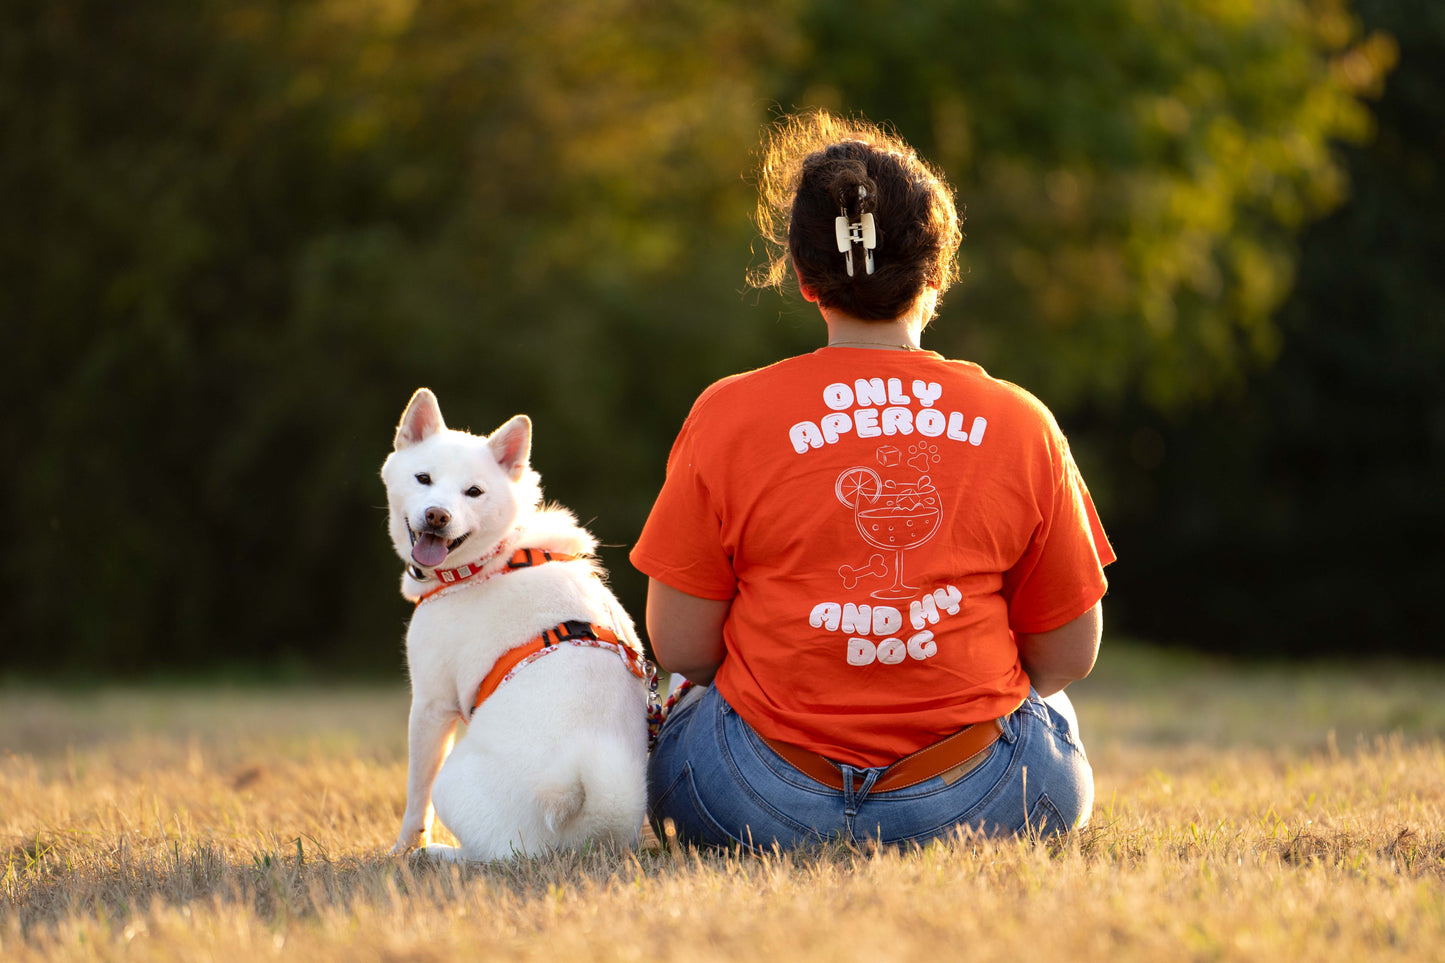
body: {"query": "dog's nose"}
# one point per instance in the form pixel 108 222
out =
pixel 438 517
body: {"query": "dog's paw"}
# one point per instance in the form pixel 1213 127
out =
pixel 409 842
pixel 435 853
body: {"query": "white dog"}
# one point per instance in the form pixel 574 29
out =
pixel 555 750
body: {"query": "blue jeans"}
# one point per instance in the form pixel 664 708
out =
pixel 721 785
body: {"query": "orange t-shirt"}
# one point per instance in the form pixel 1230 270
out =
pixel 882 522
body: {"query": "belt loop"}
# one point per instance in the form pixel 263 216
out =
pixel 851 799
pixel 1008 727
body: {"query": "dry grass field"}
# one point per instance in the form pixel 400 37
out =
pixel 1243 814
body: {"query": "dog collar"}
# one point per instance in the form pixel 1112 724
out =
pixel 448 576
pixel 521 558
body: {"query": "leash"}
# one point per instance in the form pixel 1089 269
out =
pixel 657 713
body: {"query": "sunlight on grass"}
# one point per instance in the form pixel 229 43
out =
pixel 1260 812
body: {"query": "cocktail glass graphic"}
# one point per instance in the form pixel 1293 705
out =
pixel 892 516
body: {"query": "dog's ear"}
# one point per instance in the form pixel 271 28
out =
pixel 421 420
pixel 511 445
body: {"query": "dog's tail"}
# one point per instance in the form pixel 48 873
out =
pixel 561 804
pixel 604 799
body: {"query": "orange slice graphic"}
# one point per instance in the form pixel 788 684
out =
pixel 858 484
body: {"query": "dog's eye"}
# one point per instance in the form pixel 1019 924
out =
pixel 423 477
pixel 473 492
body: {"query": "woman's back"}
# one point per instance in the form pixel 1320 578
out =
pixel 876 517
pixel 883 559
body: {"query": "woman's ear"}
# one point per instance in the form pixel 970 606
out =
pixel 810 293
pixel 930 302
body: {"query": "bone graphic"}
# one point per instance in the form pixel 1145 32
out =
pixel 877 565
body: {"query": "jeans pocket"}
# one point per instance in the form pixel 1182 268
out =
pixel 680 803
pixel 1044 819
pixel 1062 725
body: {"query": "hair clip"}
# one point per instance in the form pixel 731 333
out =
pixel 860 231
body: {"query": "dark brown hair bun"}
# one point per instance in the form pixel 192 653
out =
pixel 813 165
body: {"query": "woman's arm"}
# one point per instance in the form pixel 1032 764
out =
pixel 1055 658
pixel 686 632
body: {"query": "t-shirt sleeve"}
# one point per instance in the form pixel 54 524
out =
pixel 681 543
pixel 1061 574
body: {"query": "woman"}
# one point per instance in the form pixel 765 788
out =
pixel 880 567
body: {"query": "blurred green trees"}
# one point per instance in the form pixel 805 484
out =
pixel 238 234
pixel 1303 512
pixel 1134 171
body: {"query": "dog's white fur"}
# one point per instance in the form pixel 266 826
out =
pixel 556 758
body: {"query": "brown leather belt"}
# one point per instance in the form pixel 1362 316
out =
pixel 950 757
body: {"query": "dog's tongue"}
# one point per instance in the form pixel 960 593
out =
pixel 428 550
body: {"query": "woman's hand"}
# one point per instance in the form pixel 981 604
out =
pixel 686 631
pixel 1055 658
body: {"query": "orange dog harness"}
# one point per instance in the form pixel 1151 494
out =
pixel 574 633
